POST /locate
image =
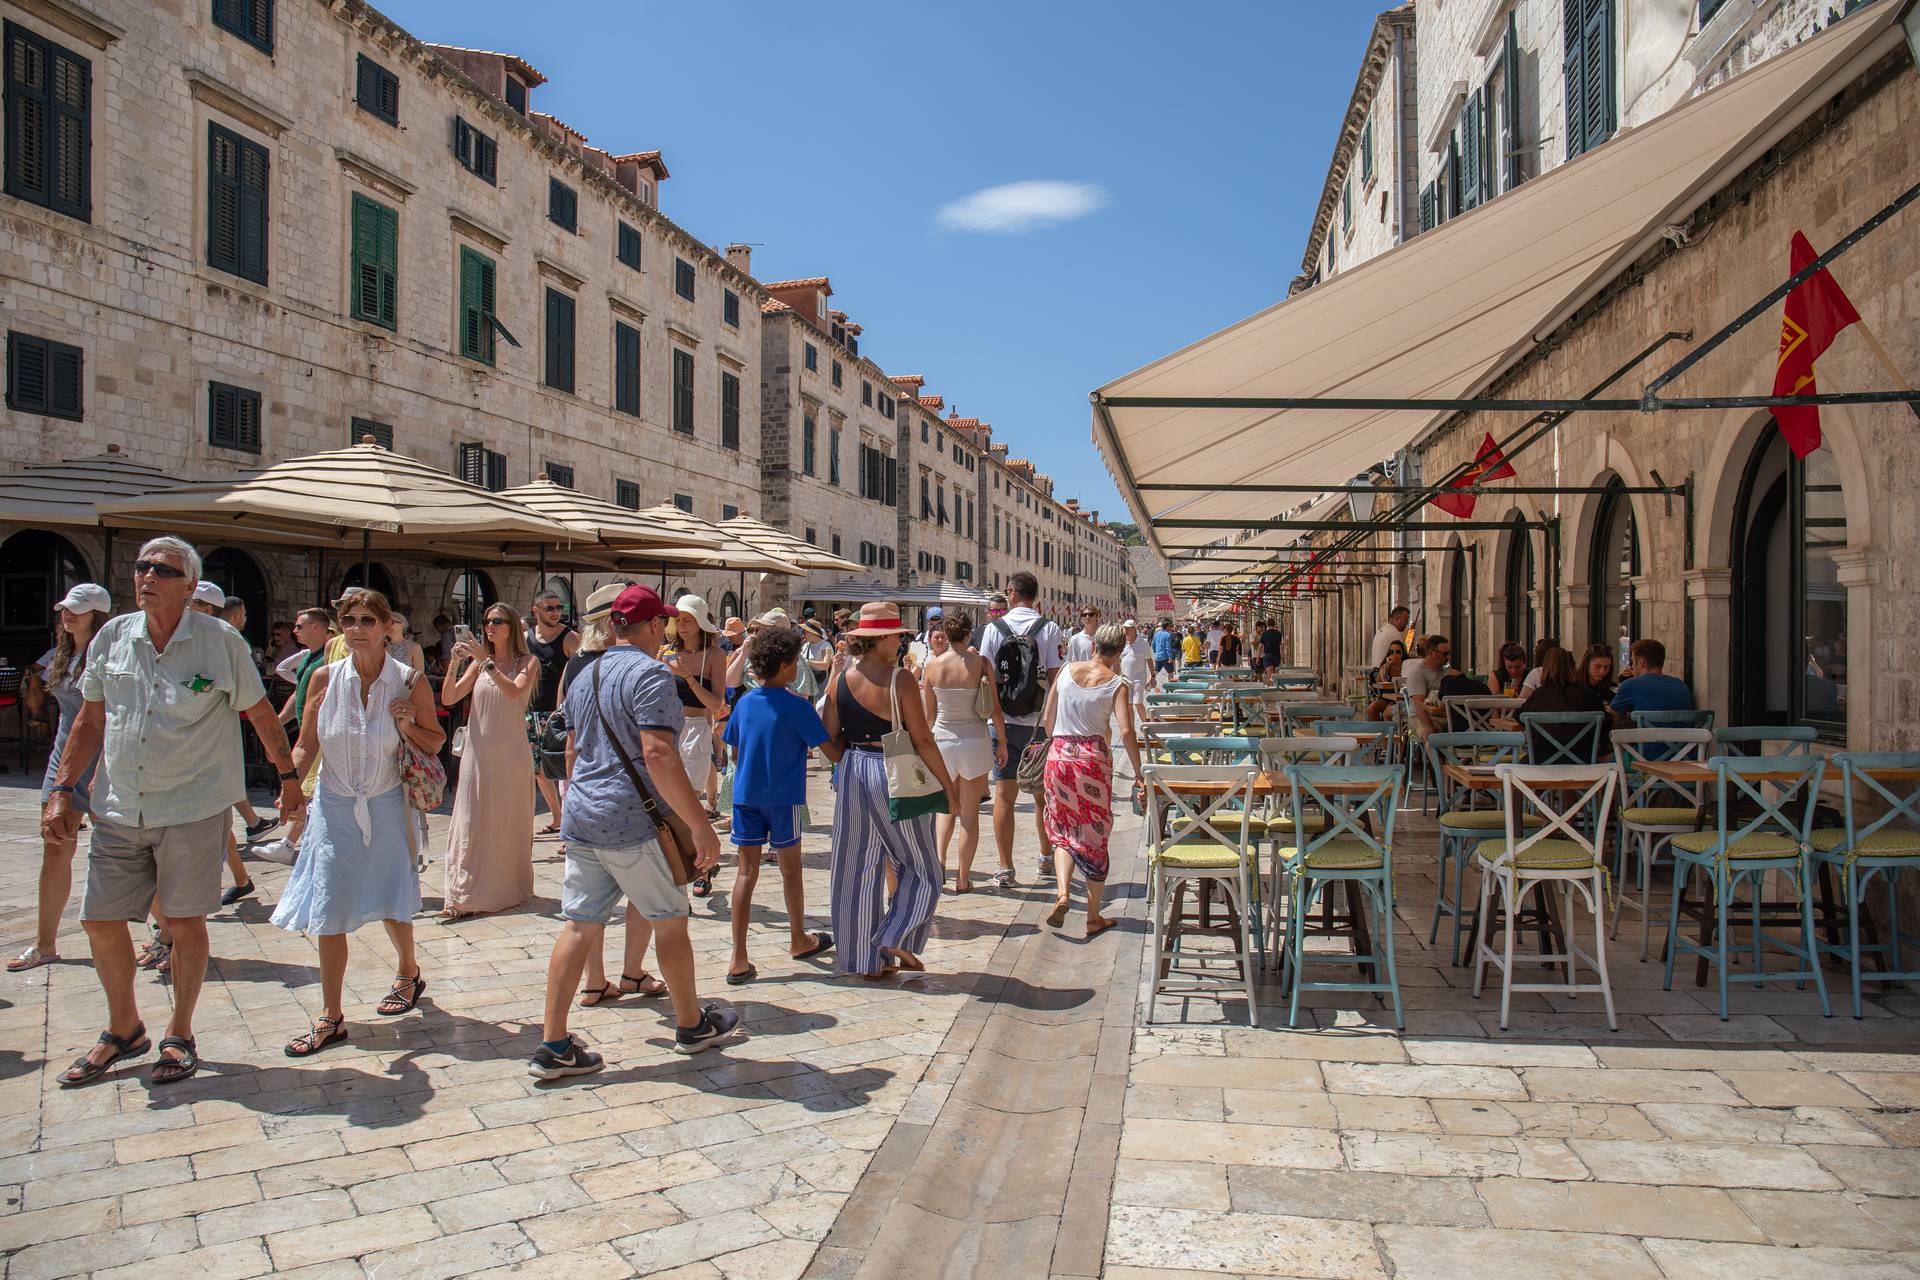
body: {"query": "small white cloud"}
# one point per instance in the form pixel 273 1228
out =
pixel 1022 206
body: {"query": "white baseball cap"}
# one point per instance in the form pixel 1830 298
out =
pixel 87 597
pixel 210 593
pixel 1131 622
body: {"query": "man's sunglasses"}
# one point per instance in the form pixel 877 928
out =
pixel 166 572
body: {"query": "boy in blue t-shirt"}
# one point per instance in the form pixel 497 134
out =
pixel 770 730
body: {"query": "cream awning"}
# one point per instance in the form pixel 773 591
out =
pixel 609 523
pixel 941 592
pixel 68 493
pixel 1441 315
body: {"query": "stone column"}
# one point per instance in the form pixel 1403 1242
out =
pixel 1710 596
pixel 1859 570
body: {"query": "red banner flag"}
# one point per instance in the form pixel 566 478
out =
pixel 1814 315
pixel 1488 464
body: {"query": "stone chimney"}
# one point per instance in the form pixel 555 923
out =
pixel 740 256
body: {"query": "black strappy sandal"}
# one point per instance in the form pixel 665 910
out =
pixel 594 997
pixel 397 1003
pixel 85 1071
pixel 315 1040
pixel 174 1070
pixel 646 985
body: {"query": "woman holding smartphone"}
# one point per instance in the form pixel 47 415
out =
pixel 490 841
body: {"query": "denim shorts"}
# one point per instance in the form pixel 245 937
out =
pixel 776 825
pixel 596 880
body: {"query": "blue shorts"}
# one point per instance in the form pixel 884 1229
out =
pixel 1018 736
pixel 771 825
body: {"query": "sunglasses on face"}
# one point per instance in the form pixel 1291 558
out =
pixel 494 622
pixel 360 621
pixel 165 572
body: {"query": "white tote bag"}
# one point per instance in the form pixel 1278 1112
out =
pixel 912 790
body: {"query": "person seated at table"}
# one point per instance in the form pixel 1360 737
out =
pixel 1423 683
pixel 1563 687
pixel 1513 669
pixel 1535 674
pixel 1383 677
pixel 1596 665
pixel 1649 688
pixel 1457 684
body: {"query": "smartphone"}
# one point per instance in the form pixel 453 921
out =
pixel 463 633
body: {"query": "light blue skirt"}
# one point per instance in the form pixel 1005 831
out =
pixel 339 882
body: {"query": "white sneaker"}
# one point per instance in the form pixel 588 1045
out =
pixel 276 851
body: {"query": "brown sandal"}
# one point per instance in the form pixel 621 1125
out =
pixel 605 993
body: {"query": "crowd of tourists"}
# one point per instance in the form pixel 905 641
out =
pixel 626 725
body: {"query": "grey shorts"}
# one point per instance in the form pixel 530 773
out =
pixel 176 869
pixel 596 880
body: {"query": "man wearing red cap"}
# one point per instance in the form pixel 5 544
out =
pixel 624 754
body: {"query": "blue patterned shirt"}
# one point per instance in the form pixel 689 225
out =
pixel 603 811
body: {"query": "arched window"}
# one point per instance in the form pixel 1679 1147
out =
pixel 1457 607
pixel 472 592
pixel 729 605
pixel 239 574
pixel 1789 608
pixel 1615 561
pixel 1520 582
pixel 36 568
pixel 377 578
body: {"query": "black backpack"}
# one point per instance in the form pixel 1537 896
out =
pixel 1017 671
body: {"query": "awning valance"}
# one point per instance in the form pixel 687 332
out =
pixel 1443 314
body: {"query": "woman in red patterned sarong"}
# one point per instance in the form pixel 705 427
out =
pixel 1084 704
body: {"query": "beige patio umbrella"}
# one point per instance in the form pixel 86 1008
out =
pixel 67 493
pixel 778 542
pixel 611 525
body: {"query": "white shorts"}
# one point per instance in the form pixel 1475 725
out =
pixel 696 750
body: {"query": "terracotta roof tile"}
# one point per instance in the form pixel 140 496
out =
pixel 933 402
pixel 646 160
pixel 811 282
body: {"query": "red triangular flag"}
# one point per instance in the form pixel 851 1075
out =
pixel 1488 464
pixel 1815 313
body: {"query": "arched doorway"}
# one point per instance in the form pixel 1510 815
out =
pixel 1615 562
pixel 472 592
pixel 563 588
pixel 239 574
pixel 1519 584
pixel 1789 608
pixel 36 568
pixel 729 605
pixel 1458 596
pixel 377 578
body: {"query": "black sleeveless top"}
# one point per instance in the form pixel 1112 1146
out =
pixel 858 726
pixel 552 657
pixel 690 700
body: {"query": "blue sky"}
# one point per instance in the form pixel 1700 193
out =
pixel 1183 147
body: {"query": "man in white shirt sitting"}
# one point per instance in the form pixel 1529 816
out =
pixel 1423 681
pixel 1394 628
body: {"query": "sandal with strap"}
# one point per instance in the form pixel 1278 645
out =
pixel 173 1070
pixel 85 1070
pixel 645 985
pixel 404 996
pixel 605 993
pixel 153 954
pixel 315 1040
pixel 32 958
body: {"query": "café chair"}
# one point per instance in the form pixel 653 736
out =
pixel 1464 821
pixel 1652 811
pixel 1559 853
pixel 1702 719
pixel 1563 737
pixel 1756 739
pixel 1345 850
pixel 1745 849
pixel 1212 844
pixel 1275 755
pixel 1861 851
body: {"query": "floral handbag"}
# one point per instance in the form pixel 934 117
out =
pixel 421 776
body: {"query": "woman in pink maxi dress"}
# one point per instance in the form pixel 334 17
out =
pixel 490 842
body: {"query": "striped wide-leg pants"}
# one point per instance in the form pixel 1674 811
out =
pixel 865 837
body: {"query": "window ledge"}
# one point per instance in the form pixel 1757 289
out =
pixel 78 21
pixel 1734 19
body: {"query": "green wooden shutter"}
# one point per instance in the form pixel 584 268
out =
pixel 376 253
pixel 1511 87
pixel 559 341
pixel 729 411
pixel 476 306
pixel 71 135
pixel 1571 68
pixel 626 368
pixel 1596 87
pixel 1470 152
pixel 683 392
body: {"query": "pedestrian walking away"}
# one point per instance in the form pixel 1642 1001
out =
pixel 160 689
pixel 971 732
pixel 1024 650
pixel 357 860
pixel 1084 703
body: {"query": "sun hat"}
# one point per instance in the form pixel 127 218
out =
pixel 86 597
pixel 881 618
pixel 774 617
pixel 638 604
pixel 814 629
pixel 697 608
pixel 210 593
pixel 734 629
pixel 600 602
pixel 1132 622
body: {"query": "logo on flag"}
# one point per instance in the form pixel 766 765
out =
pixel 1815 312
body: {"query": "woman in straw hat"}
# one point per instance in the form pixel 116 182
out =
pixel 877 936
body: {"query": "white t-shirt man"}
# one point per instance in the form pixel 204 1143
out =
pixel 1020 621
pixel 1136 667
pixel 1080 647
pixel 1382 641
pixel 1422 680
pixel 1213 642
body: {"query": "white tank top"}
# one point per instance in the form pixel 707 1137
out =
pixel 1084 712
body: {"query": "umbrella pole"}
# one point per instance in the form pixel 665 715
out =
pixel 743 591
pixel 542 584
pixel 320 573
pixel 366 548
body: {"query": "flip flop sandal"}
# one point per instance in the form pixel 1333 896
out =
pixel 645 985
pixel 594 997
pixel 85 1071
pixel 882 976
pixel 911 962
pixel 742 978
pixel 1057 916
pixel 174 1070
pixel 1093 933
pixel 315 1040
pixel 821 942
pixel 153 954
pixel 32 958
pixel 702 886
pixel 396 1003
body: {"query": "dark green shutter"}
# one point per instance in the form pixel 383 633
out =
pixel 729 411
pixel 1596 89
pixel 626 368
pixel 236 204
pixel 1510 144
pixel 683 392
pixel 1470 132
pixel 376 254
pixel 1571 67
pixel 559 341
pixel 476 306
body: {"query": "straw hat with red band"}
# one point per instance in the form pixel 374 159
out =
pixel 879 619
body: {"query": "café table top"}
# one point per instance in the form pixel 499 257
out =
pixel 1695 771
pixel 1266 783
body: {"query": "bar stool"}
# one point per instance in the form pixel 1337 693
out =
pixel 1862 852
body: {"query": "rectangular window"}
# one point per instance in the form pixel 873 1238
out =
pixel 477 322
pixel 233 417
pixel 560 309
pixel 376 262
pixel 813 536
pixel 377 90
pixel 926 498
pixel 866 392
pixel 563 205
pixel 481 466
pixel 807 447
pixel 49 124
pixel 1366 152
pixel 626 369
pixel 886 406
pixel 517 94
pixel 813 357
pixel 836 544
pixel 836 373
pixel 626 493
pixel 730 307
pixel 251 20
pixel 923 431
pixel 628 250
pixel 560 473
pixel 361 428
pixel 729 411
pixel 1346 208
pixel 683 278
pixel 44 377
pixel 236 205
pixel 477 152
pixel 683 502
pixel 1588 26
pixel 728 511
pixel 1472 149
pixel 833 456
pixel 683 392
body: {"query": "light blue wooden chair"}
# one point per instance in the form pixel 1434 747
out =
pixel 1299 717
pixel 1464 819
pixel 1702 719
pixel 1275 755
pixel 1861 851
pixel 1652 811
pixel 1563 737
pixel 1345 851
pixel 1780 792
pixel 1375 738
pixel 1213 846
pixel 1761 739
